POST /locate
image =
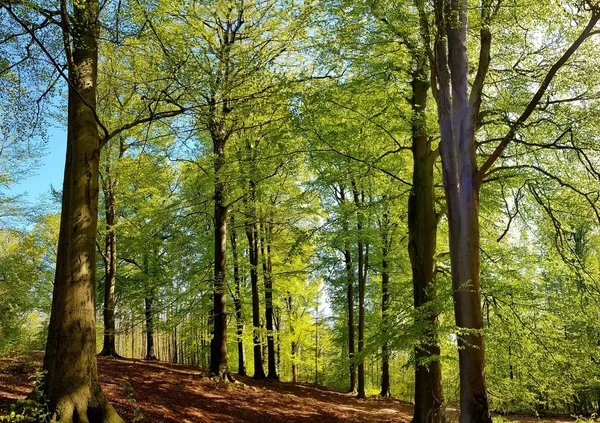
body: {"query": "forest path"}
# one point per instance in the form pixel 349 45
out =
pixel 170 393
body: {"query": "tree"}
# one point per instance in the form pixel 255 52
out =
pixel 459 113
pixel 71 387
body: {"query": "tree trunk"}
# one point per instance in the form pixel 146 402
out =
pixel 361 292
pixel 71 386
pixel 266 235
pixel 252 235
pixel 110 264
pixel 237 299
pixel 385 304
pixel 218 358
pixel 110 268
pixel 422 229
pixel 149 314
pixel 175 351
pixel 459 167
pixel 293 343
pixel 349 298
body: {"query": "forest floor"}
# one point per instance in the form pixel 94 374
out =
pixel 158 392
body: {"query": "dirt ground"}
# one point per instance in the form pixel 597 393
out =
pixel 160 392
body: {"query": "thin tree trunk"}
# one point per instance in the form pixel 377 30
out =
pixel 293 343
pixel 349 298
pixel 110 266
pixel 252 235
pixel 175 352
pixel 361 292
pixel 267 232
pixel 237 299
pixel 385 304
pixel 149 314
pixel 71 389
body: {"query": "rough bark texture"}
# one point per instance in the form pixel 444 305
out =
pixel 71 381
pixel 237 299
pixel 268 282
pixel 422 229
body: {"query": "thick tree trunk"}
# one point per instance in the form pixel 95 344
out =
pixel 385 304
pixel 218 358
pixel 422 229
pixel 266 235
pixel 459 167
pixel 71 386
pixel 149 317
pixel 252 235
pixel 361 291
pixel 237 299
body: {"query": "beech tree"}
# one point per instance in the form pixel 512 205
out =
pixel 458 112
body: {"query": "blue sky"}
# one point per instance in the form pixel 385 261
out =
pixel 50 170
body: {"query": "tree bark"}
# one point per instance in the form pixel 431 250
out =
pixel 422 229
pixel 109 185
pixel 149 317
pixel 110 266
pixel 361 291
pixel 237 299
pixel 218 358
pixel 252 235
pixel 71 386
pixel 385 303
pixel 266 234
pixel 459 168
pixel 349 296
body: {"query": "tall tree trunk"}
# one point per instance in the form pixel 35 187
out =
pixel 109 186
pixel 361 292
pixel 293 342
pixel 252 235
pixel 265 239
pixel 218 358
pixel 149 314
pixel 110 266
pixel 385 304
pixel 422 230
pixel 459 167
pixel 237 299
pixel 349 296
pixel 175 350
pixel 71 386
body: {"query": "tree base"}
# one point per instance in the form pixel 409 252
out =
pixel 70 409
pixel 223 377
pixel 109 353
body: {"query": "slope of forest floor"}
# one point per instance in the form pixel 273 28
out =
pixel 161 392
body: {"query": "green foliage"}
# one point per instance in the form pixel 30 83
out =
pixel 27 410
pixel 138 416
